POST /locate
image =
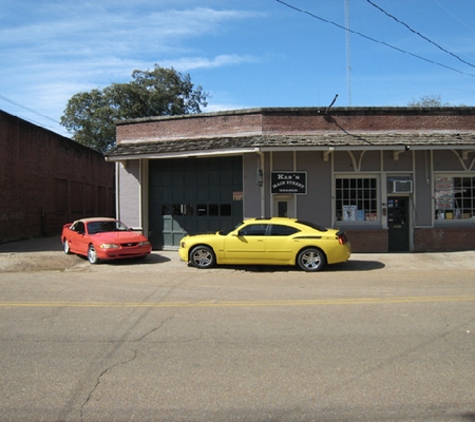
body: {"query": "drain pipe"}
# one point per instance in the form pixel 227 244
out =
pixel 261 181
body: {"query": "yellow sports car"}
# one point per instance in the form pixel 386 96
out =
pixel 268 241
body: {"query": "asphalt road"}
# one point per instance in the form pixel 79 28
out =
pixel 387 337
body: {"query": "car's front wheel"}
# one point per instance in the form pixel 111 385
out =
pixel 66 248
pixel 92 255
pixel 311 259
pixel 202 257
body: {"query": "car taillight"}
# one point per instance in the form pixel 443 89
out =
pixel 342 239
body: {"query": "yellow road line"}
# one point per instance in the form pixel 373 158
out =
pixel 244 304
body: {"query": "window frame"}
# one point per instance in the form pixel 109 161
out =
pixel 456 213
pixel 376 215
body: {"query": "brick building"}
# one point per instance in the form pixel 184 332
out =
pixel 47 180
pixel 397 179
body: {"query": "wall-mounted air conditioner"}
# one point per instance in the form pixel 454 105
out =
pixel 402 186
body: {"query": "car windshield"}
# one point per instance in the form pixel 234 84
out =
pixel 106 226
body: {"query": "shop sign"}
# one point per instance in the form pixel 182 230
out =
pixel 289 182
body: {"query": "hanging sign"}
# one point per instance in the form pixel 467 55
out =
pixel 289 182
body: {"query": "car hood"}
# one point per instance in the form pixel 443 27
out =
pixel 119 237
pixel 203 236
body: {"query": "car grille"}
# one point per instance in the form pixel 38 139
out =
pixel 129 245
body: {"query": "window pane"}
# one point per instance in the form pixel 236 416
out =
pixel 280 230
pixel 356 199
pixel 455 198
pixel 225 210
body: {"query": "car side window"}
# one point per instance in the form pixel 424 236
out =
pixel 281 230
pixel 253 230
pixel 79 227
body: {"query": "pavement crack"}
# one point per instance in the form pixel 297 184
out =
pixel 98 381
pixel 136 351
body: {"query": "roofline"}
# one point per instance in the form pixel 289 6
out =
pixel 182 154
pixel 328 149
pixel 322 110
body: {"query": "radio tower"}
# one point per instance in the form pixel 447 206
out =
pixel 348 54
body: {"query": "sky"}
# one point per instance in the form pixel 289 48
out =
pixel 243 53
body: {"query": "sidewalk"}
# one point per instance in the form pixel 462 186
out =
pixel 49 247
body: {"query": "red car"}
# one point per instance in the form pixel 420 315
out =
pixel 103 238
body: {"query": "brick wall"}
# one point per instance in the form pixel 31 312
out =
pixel 46 180
pixel 368 240
pixel 295 120
pixel 443 240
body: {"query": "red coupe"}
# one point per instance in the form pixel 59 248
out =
pixel 103 238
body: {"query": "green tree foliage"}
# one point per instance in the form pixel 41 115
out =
pixel 91 116
pixel 428 101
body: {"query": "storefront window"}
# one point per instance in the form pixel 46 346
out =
pixel 454 198
pixel 356 199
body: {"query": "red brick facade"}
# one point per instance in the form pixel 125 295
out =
pixel 47 180
pixel 292 121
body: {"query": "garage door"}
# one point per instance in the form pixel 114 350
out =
pixel 193 195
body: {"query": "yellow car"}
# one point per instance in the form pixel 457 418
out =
pixel 268 241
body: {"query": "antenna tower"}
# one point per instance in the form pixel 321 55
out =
pixel 348 49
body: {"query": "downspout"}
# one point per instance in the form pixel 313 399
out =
pixel 117 190
pixel 262 185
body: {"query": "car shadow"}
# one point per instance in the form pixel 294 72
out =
pixel 352 265
pixel 151 259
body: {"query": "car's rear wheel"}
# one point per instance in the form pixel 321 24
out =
pixel 311 259
pixel 66 248
pixel 92 255
pixel 202 257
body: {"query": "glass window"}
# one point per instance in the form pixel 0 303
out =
pixel 454 198
pixel 253 230
pixel 202 210
pixel 225 210
pixel 182 209
pixel 78 227
pixel 281 230
pixel 213 210
pixel 356 199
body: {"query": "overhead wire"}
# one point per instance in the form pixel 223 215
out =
pixel 34 112
pixel 312 15
pixel 418 33
pixel 455 17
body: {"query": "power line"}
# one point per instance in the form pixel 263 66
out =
pixel 34 112
pixel 26 108
pixel 312 15
pixel 419 34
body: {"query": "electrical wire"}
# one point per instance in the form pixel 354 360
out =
pixel 34 112
pixel 312 15
pixel 418 33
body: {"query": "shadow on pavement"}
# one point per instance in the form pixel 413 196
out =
pixel 39 244
pixel 351 265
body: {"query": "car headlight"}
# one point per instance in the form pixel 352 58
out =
pixel 144 243
pixel 109 246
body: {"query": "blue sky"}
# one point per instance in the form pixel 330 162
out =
pixel 244 53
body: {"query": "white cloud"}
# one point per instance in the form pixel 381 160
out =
pixel 185 64
pixel 55 50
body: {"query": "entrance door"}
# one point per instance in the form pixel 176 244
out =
pixel 283 206
pixel 398 224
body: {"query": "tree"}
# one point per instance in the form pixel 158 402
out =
pixel 91 116
pixel 428 101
